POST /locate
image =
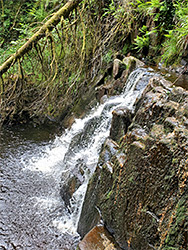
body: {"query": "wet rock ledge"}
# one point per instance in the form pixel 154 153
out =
pixel 140 184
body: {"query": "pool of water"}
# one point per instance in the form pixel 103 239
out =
pixel 29 200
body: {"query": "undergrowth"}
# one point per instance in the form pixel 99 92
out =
pixel 79 48
pixel 48 78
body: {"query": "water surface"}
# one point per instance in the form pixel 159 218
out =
pixel 33 164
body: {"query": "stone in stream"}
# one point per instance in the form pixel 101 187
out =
pixel 121 71
pixel 132 62
pixel 98 239
pixel 118 68
pixel 121 120
pixel 71 181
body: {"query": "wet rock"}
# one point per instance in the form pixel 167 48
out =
pixel 138 145
pixel 132 62
pixel 178 94
pixel 90 215
pixel 103 99
pixel 139 134
pixel 98 239
pixel 142 189
pixel 67 123
pixel 109 149
pixel 125 75
pixel 71 181
pixel 118 85
pixel 68 189
pixel 171 107
pixel 186 123
pixel 104 90
pixel 113 85
pixel 170 123
pixel 118 68
pixel 82 139
pixel 121 120
pixel 157 131
pixel 110 88
pixel 184 109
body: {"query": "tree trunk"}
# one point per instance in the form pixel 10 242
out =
pixel 49 25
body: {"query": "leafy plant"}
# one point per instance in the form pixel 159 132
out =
pixel 110 10
pixel 148 7
pixel 160 10
pixel 108 56
pixel 176 43
pixel 143 41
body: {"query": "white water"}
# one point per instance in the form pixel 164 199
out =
pixel 34 215
pixel 62 156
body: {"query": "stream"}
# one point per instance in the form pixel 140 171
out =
pixel 33 163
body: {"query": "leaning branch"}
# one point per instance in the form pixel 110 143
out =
pixel 49 25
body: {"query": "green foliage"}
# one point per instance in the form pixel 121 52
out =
pixel 176 43
pixel 108 56
pixel 17 17
pixel 110 10
pixel 169 22
pixel 126 48
pixel 59 64
pixel 143 41
pixel 86 42
pixel 162 11
pixel 109 194
pixel 174 238
pixel 148 7
pixel 42 9
pixel 13 17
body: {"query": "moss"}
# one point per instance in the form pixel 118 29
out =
pixel 170 248
pixel 84 102
pixel 131 179
pixel 175 237
pixel 108 194
pixel 175 161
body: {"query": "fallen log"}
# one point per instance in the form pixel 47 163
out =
pixel 48 26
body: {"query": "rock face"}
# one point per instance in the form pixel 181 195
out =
pixel 140 185
pixel 98 238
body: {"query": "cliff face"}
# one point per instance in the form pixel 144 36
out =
pixel 140 184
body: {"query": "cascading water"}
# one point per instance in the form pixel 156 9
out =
pixel 33 215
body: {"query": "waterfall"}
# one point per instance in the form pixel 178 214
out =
pixel 44 168
pixel 82 142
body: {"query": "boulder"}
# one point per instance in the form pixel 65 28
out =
pixel 122 118
pixel 71 181
pixel 98 239
pixel 118 67
pixel 90 215
pixel 113 85
pixel 132 62
pixel 141 190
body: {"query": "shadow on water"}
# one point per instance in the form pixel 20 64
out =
pixel 24 136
